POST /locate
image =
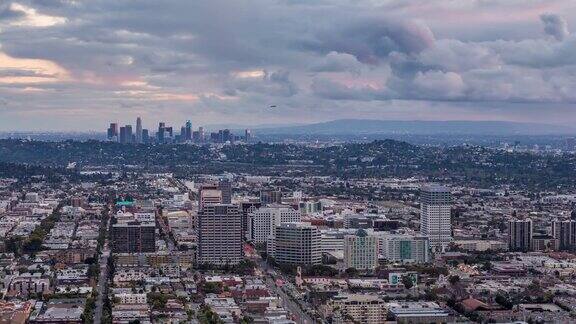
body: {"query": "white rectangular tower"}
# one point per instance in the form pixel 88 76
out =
pixel 435 221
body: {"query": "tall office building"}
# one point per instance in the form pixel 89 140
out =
pixel 296 243
pixel 138 130
pixel 145 136
pixel 404 248
pixel 361 251
pixel 188 131
pixel 248 207
pixel 220 235
pixel 520 235
pixel 565 234
pixel 435 218
pixel 126 134
pixel 226 136
pixel 270 196
pixel 161 131
pixel 196 136
pixel 201 135
pixel 168 134
pixel 247 135
pixel 263 222
pixel 182 136
pixel 113 132
pixel 225 187
pixel 134 237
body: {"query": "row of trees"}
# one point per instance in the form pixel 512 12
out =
pixel 33 243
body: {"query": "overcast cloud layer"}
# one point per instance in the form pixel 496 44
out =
pixel 79 64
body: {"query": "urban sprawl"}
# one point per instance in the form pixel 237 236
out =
pixel 127 243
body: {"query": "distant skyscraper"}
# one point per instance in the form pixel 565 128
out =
pixel 201 135
pixel 113 131
pixel 435 217
pixel 161 131
pixel 188 133
pixel 182 137
pixel 196 136
pixel 226 136
pixel 168 134
pixel 520 235
pixel 145 136
pixel 247 136
pixel 138 130
pixel 220 234
pixel 126 134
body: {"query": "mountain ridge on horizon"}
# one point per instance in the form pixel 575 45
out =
pixel 418 127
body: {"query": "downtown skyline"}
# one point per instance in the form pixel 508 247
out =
pixel 167 134
pixel 73 65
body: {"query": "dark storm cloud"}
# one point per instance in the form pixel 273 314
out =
pixel 555 26
pixel 372 40
pixel 7 13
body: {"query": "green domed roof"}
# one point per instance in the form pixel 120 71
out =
pixel 361 232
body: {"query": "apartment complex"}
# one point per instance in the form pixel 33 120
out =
pixel 361 251
pixel 404 248
pixel 220 234
pixel 263 221
pixel 296 243
pixel 134 237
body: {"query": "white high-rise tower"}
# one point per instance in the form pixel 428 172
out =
pixel 435 221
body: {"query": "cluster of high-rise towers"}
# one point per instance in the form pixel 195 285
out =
pixel 167 134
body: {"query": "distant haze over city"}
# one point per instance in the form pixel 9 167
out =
pixel 362 127
pixel 456 127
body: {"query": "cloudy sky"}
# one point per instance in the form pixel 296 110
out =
pixel 79 64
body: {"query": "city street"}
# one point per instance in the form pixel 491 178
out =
pixel 102 280
pixel 300 316
pixel 170 244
